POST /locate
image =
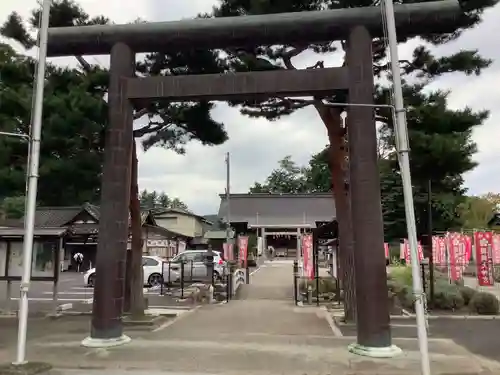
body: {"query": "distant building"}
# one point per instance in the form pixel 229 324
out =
pixel 279 218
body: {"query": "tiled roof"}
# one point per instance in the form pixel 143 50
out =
pixel 279 209
pixel 13 231
pixel 55 216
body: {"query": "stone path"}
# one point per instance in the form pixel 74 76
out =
pixel 262 333
pixel 265 307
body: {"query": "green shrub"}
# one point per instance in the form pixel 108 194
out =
pixel 326 285
pixel 484 303
pixel 467 294
pixel 407 299
pixel 448 297
pixel 401 275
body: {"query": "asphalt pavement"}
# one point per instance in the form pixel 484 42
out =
pixel 71 290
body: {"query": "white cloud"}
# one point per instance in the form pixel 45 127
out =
pixel 256 145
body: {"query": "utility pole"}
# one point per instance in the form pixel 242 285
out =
pixel 32 185
pixel 429 241
pixel 228 202
pixel 404 154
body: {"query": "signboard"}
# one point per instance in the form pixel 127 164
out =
pixel 307 248
pixel 243 249
pixel 43 259
pixel 181 247
pixel 386 250
pixel 484 261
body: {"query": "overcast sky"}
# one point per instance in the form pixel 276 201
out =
pixel 256 145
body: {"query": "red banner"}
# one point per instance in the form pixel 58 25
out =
pixel 420 250
pixel 307 248
pixel 496 249
pixel 454 245
pixel 386 250
pixel 484 261
pixel 243 250
pixel 468 248
pixel 405 252
pixel 439 250
pixel 228 251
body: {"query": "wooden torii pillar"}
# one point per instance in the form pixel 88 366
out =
pixel 357 25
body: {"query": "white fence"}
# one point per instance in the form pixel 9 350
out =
pixel 239 278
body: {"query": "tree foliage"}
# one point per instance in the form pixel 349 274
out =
pixel 75 111
pixel 440 138
pixel 477 211
pixel 153 199
pixel 71 151
pixel 12 207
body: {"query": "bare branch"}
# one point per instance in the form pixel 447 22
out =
pixel 153 126
pixel 287 57
pixel 84 64
pixel 140 113
pixel 318 65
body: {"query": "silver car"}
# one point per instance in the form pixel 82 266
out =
pixel 195 264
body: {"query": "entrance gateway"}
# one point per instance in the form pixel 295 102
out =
pixel 357 26
pixel 279 219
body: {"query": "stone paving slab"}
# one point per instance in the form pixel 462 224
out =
pixel 229 356
pixel 263 334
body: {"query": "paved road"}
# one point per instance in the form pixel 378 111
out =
pixel 70 290
pixel 480 337
pixel 261 334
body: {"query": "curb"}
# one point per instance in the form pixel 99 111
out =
pixel 175 320
pixel 331 322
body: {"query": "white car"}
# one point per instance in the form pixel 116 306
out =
pixel 152 266
pixel 195 264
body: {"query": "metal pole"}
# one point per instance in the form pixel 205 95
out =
pixel 29 222
pixel 228 199
pixel 403 149
pixel 429 241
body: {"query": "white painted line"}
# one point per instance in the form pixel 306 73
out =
pixel 82 288
pixel 168 323
pixel 59 299
pixel 68 280
pixel 65 306
pixel 89 293
pixel 255 271
pixel 335 329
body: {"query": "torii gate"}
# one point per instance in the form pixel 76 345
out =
pixel 358 26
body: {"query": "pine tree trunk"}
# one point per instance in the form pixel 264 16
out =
pixel 337 156
pixel 137 303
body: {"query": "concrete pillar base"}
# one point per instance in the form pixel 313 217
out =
pixel 90 342
pixel 384 352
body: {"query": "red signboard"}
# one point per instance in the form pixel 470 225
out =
pixel 386 250
pixel 307 248
pixel 484 244
pixel 243 249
